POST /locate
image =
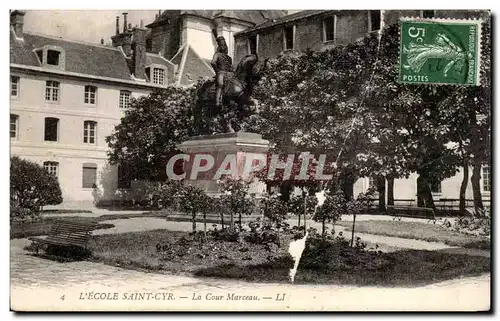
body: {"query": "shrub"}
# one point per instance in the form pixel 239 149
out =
pixel 275 211
pixel 31 187
pixel 331 209
pixel 471 225
pixel 151 194
pixel 235 199
pixel 330 252
pixel 193 200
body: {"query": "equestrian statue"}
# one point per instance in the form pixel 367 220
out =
pixel 222 103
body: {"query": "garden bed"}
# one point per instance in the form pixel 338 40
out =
pixel 419 231
pixel 163 251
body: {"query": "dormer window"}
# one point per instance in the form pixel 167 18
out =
pixel 53 57
pixel 158 76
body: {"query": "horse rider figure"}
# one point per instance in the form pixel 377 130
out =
pixel 223 66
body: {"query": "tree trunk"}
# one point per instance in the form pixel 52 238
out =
pixel 278 232
pixel 381 194
pixel 352 233
pixel 285 190
pixel 424 194
pixel 239 214
pixel 204 226
pixel 232 221
pixel 323 223
pixel 194 221
pixel 476 186
pixel 390 190
pixel 463 188
pixel 222 219
pixel 305 204
pixel 348 187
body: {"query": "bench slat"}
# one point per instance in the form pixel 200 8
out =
pixel 68 233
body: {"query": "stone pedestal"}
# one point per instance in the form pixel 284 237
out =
pixel 244 147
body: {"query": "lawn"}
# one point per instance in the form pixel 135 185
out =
pixel 419 231
pixel 163 251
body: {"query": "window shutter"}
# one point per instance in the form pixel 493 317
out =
pixel 89 175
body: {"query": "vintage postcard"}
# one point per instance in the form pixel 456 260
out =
pixel 250 160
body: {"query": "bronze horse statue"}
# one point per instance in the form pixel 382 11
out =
pixel 237 90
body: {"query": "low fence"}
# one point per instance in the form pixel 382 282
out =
pixel 443 205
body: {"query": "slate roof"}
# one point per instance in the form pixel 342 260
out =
pixel 191 66
pixel 83 58
pixel 251 16
pixel 283 19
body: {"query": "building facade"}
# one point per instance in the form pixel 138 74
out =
pixel 67 96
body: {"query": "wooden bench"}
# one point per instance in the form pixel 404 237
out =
pixel 398 212
pixel 66 234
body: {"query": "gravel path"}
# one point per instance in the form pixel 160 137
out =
pixel 43 285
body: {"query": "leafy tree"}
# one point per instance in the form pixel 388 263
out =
pixel 194 200
pixel 150 130
pixel 235 199
pixel 302 204
pixel 31 186
pixel 331 210
pixel 275 210
pixel 346 102
pixel 358 206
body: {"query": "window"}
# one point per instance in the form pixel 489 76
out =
pixel 428 13
pixel 149 45
pixel 14 121
pixel 289 37
pixel 124 99
pixel 124 176
pixel 436 186
pixel 51 129
pixel 486 178
pixel 158 76
pixel 252 41
pixel 52 90
pixel 89 131
pixel 89 175
pixel 51 167
pixel 329 28
pixel 14 86
pixel 53 57
pixel 374 20
pixel 90 95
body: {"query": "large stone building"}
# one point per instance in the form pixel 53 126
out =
pixel 323 29
pixel 67 96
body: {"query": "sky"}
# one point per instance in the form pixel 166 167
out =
pixel 82 25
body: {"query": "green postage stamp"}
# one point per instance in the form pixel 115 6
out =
pixel 440 51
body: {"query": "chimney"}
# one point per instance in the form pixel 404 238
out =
pixel 17 21
pixel 117 25
pixel 139 52
pixel 125 21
